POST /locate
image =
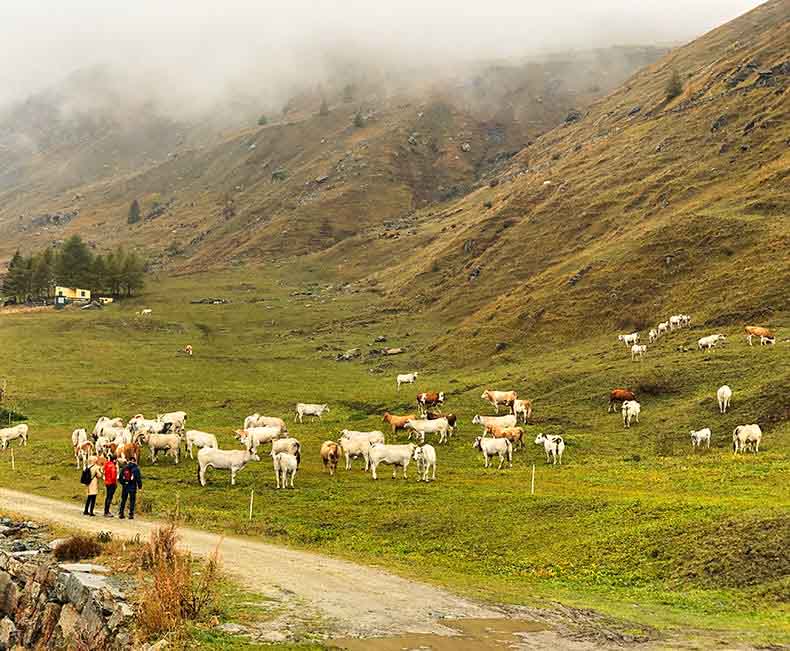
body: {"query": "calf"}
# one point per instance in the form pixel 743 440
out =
pixel 522 408
pixel 493 447
pixel 10 433
pixel 652 336
pixel 429 399
pixel 767 341
pixel 619 395
pixel 425 456
pixel 724 395
pixel 553 446
pixel 330 455
pixel 309 409
pixel 497 398
pixel 233 460
pixel 284 464
pixel 406 378
pixel 452 419
pixel 711 341
pixel 397 422
pixel 392 455
pixel 289 446
pixel 200 440
pixel 638 350
pixel 630 409
pixel 699 437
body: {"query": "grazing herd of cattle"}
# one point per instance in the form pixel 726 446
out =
pixel 167 432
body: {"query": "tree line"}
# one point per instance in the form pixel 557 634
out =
pixel 118 273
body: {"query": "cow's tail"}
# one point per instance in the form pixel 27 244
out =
pixel 298 454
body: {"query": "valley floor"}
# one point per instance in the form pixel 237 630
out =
pixel 633 524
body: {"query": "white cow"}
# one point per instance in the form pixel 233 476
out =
pixel 78 437
pixel 421 427
pixel 176 419
pixel 745 437
pixel 308 409
pixel 522 408
pixel 629 340
pixel 104 422
pixel 500 421
pixel 710 341
pixel 685 320
pixel 233 460
pixel 284 464
pixel 255 436
pixel 256 420
pixel 493 447
pixel 168 443
pixel 146 312
pixel 200 440
pixel 393 455
pixel 139 425
pixel 699 437
pixel 676 322
pixel 637 350
pixel 630 409
pixel 406 378
pixel 724 395
pixel 553 445
pixel 425 456
pixel 10 433
pixel 662 328
pixel 767 341
pixel 83 452
pixel 357 444
pixel 288 446
pixel 652 336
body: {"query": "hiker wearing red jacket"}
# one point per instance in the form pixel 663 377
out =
pixel 110 483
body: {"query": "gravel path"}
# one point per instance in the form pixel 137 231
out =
pixel 350 599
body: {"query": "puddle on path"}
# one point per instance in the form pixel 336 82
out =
pixel 474 635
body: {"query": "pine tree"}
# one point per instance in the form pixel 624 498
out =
pixel 14 284
pixel 74 264
pixel 674 85
pixel 132 276
pixel 43 279
pixel 134 213
pixel 99 275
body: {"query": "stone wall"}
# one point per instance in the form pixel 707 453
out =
pixel 49 605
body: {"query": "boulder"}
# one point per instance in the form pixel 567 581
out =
pixel 8 634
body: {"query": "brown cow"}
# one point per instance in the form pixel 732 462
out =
pixel 429 399
pixel 512 434
pixel 757 331
pixel 397 422
pixel 330 455
pixel 620 395
pixel 128 451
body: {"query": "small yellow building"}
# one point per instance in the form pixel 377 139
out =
pixel 73 293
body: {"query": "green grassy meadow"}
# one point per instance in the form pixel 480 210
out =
pixel 633 524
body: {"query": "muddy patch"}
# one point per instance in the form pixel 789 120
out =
pixel 472 634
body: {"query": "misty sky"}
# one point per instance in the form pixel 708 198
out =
pixel 200 45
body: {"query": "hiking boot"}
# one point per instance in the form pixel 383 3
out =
pixel 121 517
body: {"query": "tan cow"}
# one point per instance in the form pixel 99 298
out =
pixel 757 331
pixel 397 422
pixel 497 398
pixel 512 434
pixel 330 455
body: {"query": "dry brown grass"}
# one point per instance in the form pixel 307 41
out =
pixel 172 593
pixel 77 548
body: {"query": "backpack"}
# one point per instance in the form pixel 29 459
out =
pixel 86 476
pixel 127 475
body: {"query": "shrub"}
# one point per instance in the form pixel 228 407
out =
pixel 359 121
pixel 263 121
pixel 172 594
pixel 134 213
pixel 77 548
pixel 674 85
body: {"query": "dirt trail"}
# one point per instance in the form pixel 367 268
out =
pixel 350 599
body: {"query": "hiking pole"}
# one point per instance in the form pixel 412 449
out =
pixel 252 497
pixel 13 465
pixel 532 491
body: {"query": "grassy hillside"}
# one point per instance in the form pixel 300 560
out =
pixel 633 523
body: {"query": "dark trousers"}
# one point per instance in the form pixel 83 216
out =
pixel 131 495
pixel 108 498
pixel 90 504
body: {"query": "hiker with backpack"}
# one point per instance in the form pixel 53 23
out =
pixel 110 483
pixel 131 482
pixel 90 477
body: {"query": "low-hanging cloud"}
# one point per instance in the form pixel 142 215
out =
pixel 195 51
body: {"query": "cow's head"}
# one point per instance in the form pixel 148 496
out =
pixel 441 396
pixel 484 395
pixel 478 445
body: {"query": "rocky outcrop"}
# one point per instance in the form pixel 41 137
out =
pixel 48 605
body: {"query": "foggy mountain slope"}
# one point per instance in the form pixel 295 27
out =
pixel 644 207
pixel 207 184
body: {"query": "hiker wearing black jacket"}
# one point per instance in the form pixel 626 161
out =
pixel 131 481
